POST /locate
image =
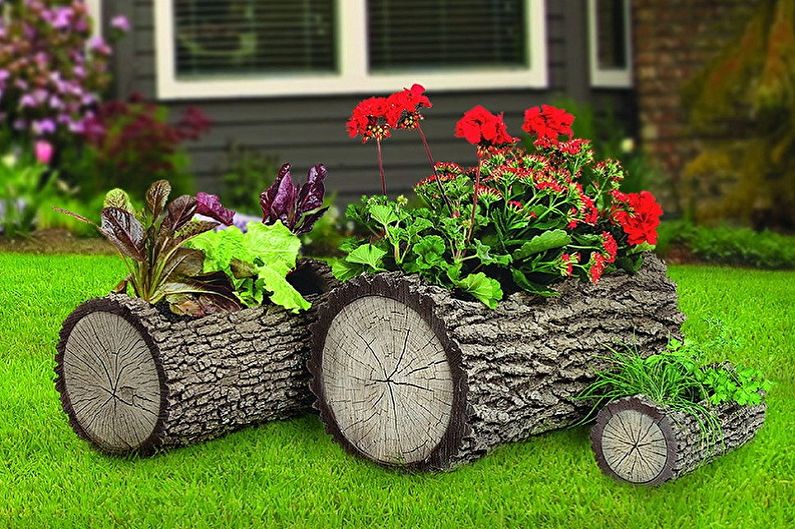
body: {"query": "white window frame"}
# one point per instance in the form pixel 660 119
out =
pixel 352 59
pixel 94 8
pixel 609 77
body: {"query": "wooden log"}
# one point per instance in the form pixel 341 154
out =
pixel 134 378
pixel 406 374
pixel 640 442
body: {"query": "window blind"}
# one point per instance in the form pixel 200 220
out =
pixel 417 34
pixel 234 37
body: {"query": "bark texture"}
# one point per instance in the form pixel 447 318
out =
pixel 515 370
pixel 685 448
pixel 215 374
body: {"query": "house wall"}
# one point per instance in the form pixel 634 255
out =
pixel 305 130
pixel 673 41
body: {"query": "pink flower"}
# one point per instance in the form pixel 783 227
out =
pixel 121 23
pixel 44 151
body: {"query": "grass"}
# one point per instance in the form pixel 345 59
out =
pixel 291 474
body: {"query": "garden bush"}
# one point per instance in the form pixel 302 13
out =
pixel 728 245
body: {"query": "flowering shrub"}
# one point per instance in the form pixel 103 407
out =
pixel 51 70
pixel 26 183
pixel 519 220
pixel 132 144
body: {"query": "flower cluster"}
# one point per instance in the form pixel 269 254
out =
pixel 481 128
pixel 375 117
pixel 638 214
pixel 547 124
pixel 51 69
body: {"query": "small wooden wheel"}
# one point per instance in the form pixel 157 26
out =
pixel 386 386
pixel 633 441
pixel 108 377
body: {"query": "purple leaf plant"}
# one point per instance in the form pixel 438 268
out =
pixel 297 207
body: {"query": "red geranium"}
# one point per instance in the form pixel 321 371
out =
pixel 597 267
pixel 368 120
pixel 610 247
pixel 480 127
pixel 403 108
pixel 547 123
pixel 638 214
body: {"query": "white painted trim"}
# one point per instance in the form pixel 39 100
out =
pixel 353 76
pixel 613 77
pixel 95 10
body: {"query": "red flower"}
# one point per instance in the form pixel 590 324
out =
pixel 368 120
pixel 480 127
pixel 567 263
pixel 547 123
pixel 403 108
pixel 515 204
pixel 609 246
pixel 597 267
pixel 638 214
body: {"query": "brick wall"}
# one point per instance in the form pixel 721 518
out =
pixel 672 41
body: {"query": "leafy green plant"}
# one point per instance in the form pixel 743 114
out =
pixel 25 184
pixel 729 245
pixel 677 379
pixel 256 262
pixel 152 244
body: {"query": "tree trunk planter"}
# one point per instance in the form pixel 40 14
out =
pixel 640 442
pixel 408 375
pixel 136 379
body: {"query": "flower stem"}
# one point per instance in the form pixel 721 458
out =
pixel 381 166
pixel 433 166
pixel 474 201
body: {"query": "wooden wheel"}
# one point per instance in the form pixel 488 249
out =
pixel 633 441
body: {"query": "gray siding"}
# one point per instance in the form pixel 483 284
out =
pixel 309 130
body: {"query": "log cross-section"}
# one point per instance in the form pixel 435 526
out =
pixel 387 380
pixel 409 375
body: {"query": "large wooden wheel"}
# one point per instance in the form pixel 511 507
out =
pixel 408 375
pixel 134 379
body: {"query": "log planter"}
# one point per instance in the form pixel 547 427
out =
pixel 408 375
pixel 638 441
pixel 134 378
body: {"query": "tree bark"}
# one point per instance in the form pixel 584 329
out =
pixel 136 379
pixel 408 375
pixel 643 443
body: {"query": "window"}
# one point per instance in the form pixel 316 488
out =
pixel 261 48
pixel 610 49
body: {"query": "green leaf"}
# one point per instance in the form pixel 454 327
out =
pixel 343 270
pixel 273 245
pixel 483 252
pixel 282 292
pixel 529 286
pixel 429 251
pixel 368 255
pixel 543 242
pixel 383 214
pixel 220 247
pixel 483 288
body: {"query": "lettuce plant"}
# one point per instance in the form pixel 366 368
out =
pixel 152 245
pixel 256 262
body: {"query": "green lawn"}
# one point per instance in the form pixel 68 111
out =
pixel 291 474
